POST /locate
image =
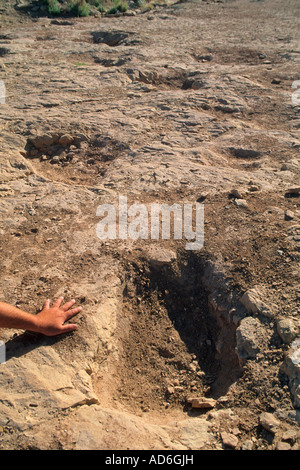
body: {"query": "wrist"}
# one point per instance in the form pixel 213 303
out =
pixel 33 323
pixel 26 321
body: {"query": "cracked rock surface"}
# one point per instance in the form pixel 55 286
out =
pixel 193 101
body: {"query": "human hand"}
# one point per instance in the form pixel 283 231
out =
pixel 51 320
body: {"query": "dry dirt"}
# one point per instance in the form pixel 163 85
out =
pixel 187 102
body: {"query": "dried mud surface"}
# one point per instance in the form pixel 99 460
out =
pixel 186 102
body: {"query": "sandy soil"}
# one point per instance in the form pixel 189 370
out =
pixel 184 103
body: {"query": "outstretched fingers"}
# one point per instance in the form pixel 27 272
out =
pixel 52 319
pixel 72 312
pixel 58 302
pixel 68 305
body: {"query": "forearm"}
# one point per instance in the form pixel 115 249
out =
pixel 13 317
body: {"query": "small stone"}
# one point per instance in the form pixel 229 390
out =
pixel 193 366
pixel 247 445
pixel 202 197
pixel 237 193
pixel 223 400
pixel 241 203
pixel 229 440
pixel 254 188
pixel 200 373
pixel 129 13
pixel 202 402
pixel 65 140
pixel 161 257
pixel 269 422
pixel 289 215
pixel 291 367
pixel 252 301
pixel 290 436
pixel 42 141
pixel 287 329
pixel 249 335
pixel 283 446
pixel 292 165
pixel 284 167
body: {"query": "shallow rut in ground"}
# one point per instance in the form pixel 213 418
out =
pixel 174 346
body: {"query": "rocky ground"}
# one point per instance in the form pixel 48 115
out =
pixel 176 349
